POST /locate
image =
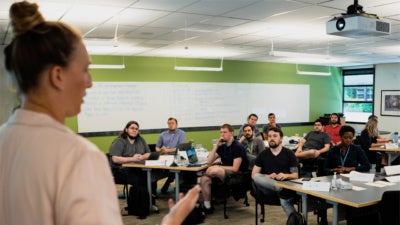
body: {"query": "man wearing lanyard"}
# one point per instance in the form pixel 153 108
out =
pixel 252 145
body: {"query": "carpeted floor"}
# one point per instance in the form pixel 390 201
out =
pixel 237 212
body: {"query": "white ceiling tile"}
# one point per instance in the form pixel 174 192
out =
pixel 263 9
pixel 235 29
pixel 169 5
pixel 213 7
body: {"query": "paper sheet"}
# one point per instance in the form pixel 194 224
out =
pixel 357 188
pixel 316 186
pixel 364 177
pixel 393 179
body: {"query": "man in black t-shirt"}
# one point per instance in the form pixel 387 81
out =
pixel 233 158
pixel 276 163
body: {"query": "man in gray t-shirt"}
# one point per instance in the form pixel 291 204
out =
pixel 314 143
pixel 311 147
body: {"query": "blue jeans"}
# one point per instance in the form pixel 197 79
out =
pixel 267 187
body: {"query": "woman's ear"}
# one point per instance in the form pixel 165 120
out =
pixel 56 77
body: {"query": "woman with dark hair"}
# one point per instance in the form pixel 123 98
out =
pixel 130 147
pixel 50 175
pixel 347 157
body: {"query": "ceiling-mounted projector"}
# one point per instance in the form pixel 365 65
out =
pixel 357 24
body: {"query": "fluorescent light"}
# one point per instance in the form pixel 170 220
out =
pixel 106 66
pixel 295 54
pixel 197 68
pixel 299 72
pixel 200 68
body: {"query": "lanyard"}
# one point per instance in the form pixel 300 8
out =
pixel 343 160
pixel 250 146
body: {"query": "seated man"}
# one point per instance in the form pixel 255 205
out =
pixel 272 123
pixel 252 120
pixel 169 139
pixel 333 129
pixel 312 148
pixel 275 163
pixel 166 144
pixel 253 146
pixel 233 158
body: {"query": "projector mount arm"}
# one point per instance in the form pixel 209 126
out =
pixel 355 8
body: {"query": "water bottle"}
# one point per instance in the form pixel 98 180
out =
pixel 334 181
pixel 191 141
pixel 396 137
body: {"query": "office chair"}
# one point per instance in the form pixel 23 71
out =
pixel 235 186
pixel 389 208
pixel 117 179
pixel 273 199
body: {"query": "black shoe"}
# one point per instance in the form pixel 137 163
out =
pixel 208 210
pixel 164 189
pixel 141 217
pixel 322 218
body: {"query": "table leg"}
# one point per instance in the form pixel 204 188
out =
pixel 335 212
pixel 176 184
pixel 148 170
pixel 303 204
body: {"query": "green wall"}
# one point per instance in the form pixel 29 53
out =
pixel 325 91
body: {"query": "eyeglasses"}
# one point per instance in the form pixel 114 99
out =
pixel 134 128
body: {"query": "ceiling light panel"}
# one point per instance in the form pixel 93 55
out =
pixel 170 5
pixel 263 9
pixel 89 14
pixel 177 20
pixel 147 32
pixel 137 17
pixel 212 7
pixel 223 21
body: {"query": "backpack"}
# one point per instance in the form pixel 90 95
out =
pixel 196 216
pixel 138 201
pixel 296 218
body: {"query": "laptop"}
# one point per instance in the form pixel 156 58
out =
pixel 191 153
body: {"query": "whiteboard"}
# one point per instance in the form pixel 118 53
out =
pixel 108 106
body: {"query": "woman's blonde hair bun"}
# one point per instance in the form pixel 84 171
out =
pixel 24 17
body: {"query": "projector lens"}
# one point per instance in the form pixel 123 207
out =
pixel 340 24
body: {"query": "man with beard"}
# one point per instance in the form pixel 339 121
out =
pixel 276 163
pixel 252 120
pixel 169 139
pixel 166 144
pixel 312 148
pixel 272 123
pixel 333 129
pixel 253 146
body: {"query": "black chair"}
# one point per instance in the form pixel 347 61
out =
pixel 236 186
pixel 273 199
pixel 117 178
pixel 389 208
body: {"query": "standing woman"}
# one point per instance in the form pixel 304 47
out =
pixel 50 175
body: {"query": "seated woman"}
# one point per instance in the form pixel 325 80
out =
pixel 346 157
pixel 370 138
pixel 130 147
